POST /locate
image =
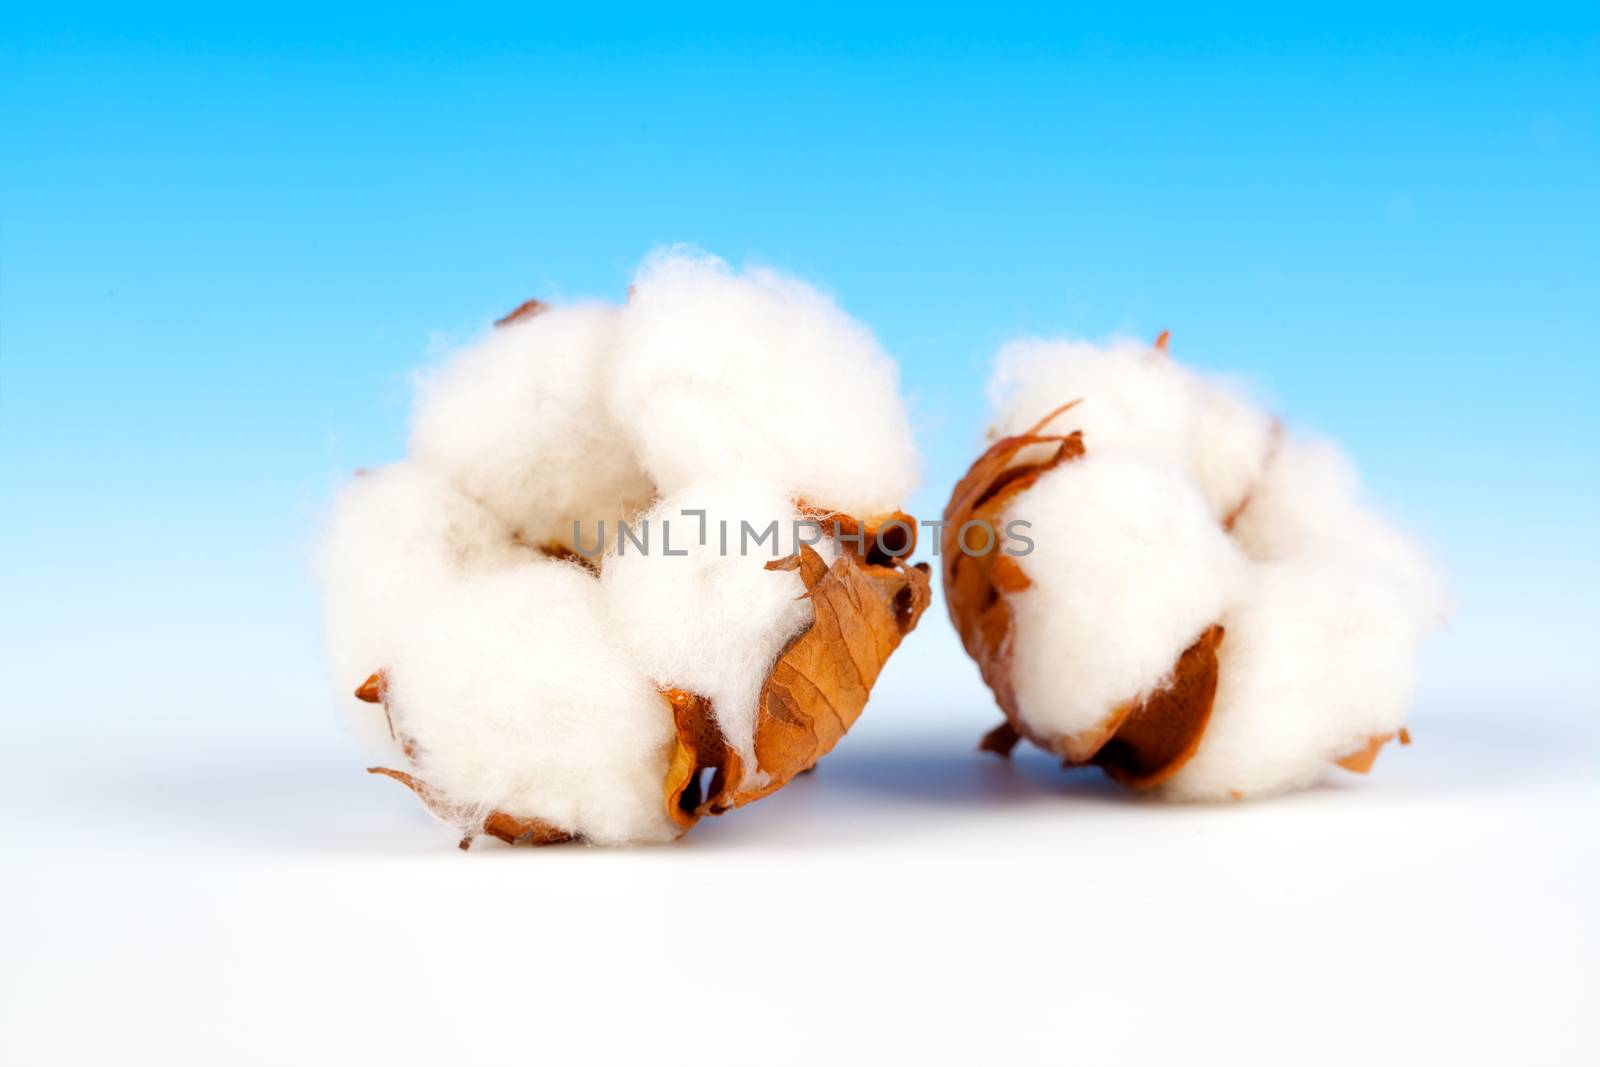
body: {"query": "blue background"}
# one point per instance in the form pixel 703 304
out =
pixel 226 241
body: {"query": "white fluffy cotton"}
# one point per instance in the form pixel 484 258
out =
pixel 1318 658
pixel 1136 397
pixel 521 423
pixel 527 685
pixel 760 375
pixel 1323 602
pixel 518 700
pixel 712 621
pixel 1129 568
pixel 397 539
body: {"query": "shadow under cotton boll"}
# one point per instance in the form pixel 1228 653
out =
pixel 949 770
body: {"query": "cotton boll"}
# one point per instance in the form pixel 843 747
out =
pixel 1129 567
pixel 516 697
pixel 720 374
pixel 1317 661
pixel 1132 396
pixel 395 537
pixel 538 694
pixel 1263 617
pixel 519 421
pixel 714 619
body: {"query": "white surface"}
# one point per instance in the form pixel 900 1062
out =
pixel 209 878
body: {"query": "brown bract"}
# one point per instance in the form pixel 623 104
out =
pixel 1162 730
pixel 1143 741
pixel 525 310
pixel 814 692
pixel 864 603
pixel 975 581
pixel 878 539
pixel 1361 760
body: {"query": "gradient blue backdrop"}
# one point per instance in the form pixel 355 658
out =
pixel 227 239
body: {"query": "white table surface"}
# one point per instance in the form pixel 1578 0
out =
pixel 209 877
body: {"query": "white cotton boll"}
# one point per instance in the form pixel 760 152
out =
pixel 1129 567
pixel 712 621
pixel 523 684
pixel 394 538
pixel 720 374
pixel 1134 397
pixel 1317 660
pixel 1322 603
pixel 519 422
pixel 519 701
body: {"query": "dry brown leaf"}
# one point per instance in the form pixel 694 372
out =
pixel 1142 742
pixel 702 763
pixel 821 682
pixel 973 583
pixel 1162 731
pixel 815 690
pixel 877 539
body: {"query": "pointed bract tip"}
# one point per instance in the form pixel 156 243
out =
pixel 525 310
pixel 372 689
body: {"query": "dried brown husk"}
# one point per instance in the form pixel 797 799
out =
pixel 877 539
pixel 814 692
pixel 1142 742
pixel 864 603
